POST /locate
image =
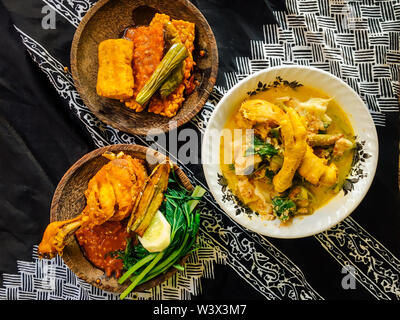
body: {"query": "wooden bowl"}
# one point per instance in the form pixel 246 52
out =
pixel 69 201
pixel 108 19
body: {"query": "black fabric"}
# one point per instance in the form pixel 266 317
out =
pixel 40 139
pixel 39 142
pixel 232 26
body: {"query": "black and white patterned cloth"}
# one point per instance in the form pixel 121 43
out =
pixel 45 127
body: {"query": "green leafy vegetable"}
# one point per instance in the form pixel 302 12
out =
pixel 178 208
pixel 269 174
pixel 261 87
pixel 276 163
pixel 133 253
pixel 283 207
pixel 142 274
pixel 262 148
pixel 136 266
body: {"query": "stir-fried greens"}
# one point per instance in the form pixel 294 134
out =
pixel 179 210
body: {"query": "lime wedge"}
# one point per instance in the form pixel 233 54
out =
pixel 157 235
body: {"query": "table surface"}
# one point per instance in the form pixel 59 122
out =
pixel 45 128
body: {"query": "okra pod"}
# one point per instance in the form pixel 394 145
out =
pixel 175 55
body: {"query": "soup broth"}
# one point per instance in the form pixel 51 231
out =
pixel 254 126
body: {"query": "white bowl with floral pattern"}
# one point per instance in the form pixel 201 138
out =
pixel 356 185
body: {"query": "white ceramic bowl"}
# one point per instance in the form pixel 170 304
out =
pixel 356 185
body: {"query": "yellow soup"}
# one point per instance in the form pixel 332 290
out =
pixel 287 151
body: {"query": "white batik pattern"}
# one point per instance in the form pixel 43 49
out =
pixel 71 10
pixel 255 259
pixel 359 43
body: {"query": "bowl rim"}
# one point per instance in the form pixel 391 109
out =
pixel 172 123
pixel 260 73
pixel 82 161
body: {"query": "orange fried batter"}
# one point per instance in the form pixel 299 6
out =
pixel 186 34
pixel 159 20
pixel 110 195
pixel 111 192
pixel 114 78
pixel 170 105
pixel 56 236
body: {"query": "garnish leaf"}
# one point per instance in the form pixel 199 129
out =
pixel 283 208
pixel 262 148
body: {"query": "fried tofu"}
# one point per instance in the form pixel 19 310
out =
pixel 115 77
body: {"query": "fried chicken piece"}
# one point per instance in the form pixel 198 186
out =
pixel 112 191
pixel 57 236
pixel 110 196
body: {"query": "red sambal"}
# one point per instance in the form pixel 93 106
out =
pixel 99 244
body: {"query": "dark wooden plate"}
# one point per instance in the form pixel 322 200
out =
pixel 69 201
pixel 108 19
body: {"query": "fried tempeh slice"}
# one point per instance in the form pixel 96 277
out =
pixel 115 77
pixel 186 32
pixel 170 105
